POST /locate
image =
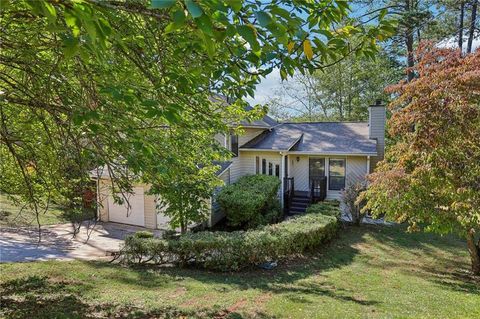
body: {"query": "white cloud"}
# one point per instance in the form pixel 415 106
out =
pixel 266 88
pixel 453 42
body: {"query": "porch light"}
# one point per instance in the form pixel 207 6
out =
pixel 298 158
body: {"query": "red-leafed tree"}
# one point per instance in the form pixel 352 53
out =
pixel 431 174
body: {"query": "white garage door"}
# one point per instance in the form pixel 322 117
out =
pixel 120 213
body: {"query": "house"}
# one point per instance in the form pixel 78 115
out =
pixel 313 160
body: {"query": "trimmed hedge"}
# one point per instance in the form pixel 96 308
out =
pixel 233 250
pixel 328 208
pixel 251 201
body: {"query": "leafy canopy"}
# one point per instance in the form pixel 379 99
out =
pixel 128 85
pixel 431 175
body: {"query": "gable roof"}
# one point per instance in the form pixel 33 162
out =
pixel 316 137
pixel 265 122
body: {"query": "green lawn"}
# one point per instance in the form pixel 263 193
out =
pixel 368 272
pixel 13 215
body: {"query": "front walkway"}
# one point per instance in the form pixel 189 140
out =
pixel 21 244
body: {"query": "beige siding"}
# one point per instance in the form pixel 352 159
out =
pixel 150 209
pixel 149 203
pixel 248 134
pixel 217 215
pixel 356 169
pixel 220 139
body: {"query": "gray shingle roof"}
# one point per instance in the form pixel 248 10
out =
pixel 266 121
pixel 319 137
pixel 223 166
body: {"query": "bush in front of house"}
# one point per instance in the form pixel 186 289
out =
pixel 350 197
pixel 329 208
pixel 227 251
pixel 251 201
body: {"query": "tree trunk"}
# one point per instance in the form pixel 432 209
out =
pixel 474 250
pixel 472 26
pixel 460 27
pixel 409 44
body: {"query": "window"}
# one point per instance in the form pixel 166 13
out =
pixel 234 144
pixel 336 173
pixel 270 168
pixel 277 170
pixel 264 166
pixel 257 165
pixel 316 168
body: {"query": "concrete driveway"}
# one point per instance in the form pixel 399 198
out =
pixel 21 244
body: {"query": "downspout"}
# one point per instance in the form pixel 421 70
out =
pixel 282 180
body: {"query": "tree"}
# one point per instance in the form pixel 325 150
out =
pixel 431 174
pixel 111 81
pixel 340 92
pixel 471 30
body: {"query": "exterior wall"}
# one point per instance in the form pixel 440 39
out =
pixel 355 171
pixel 104 192
pixel 248 135
pixel 217 215
pixel 376 129
pixel 150 209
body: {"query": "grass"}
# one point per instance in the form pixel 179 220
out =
pixel 368 272
pixel 12 214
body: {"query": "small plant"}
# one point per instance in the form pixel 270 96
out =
pixel 350 197
pixel 328 208
pixel 143 234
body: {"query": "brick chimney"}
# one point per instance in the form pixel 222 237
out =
pixel 376 130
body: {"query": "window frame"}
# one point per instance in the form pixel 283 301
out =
pixel 234 144
pixel 344 160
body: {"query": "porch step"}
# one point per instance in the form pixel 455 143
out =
pixel 305 200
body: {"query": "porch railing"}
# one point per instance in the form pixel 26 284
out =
pixel 288 192
pixel 318 189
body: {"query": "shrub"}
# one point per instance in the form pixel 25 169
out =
pixel 350 198
pixel 143 234
pixel 328 208
pixel 251 201
pixel 233 250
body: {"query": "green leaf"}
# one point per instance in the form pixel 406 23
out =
pixel 263 18
pixel 236 5
pixel 248 33
pixel 382 14
pixel 193 8
pixel 70 47
pixel 162 4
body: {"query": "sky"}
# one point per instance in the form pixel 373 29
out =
pixel 271 82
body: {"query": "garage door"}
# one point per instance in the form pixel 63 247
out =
pixel 120 213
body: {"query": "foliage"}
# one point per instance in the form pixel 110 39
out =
pixel 121 84
pixel 327 208
pixel 143 234
pixel 342 92
pixel 234 250
pixel 251 201
pixel 354 204
pixel 431 174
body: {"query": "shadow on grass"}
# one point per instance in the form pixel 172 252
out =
pixel 38 297
pixel 442 260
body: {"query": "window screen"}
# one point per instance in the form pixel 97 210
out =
pixel 336 174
